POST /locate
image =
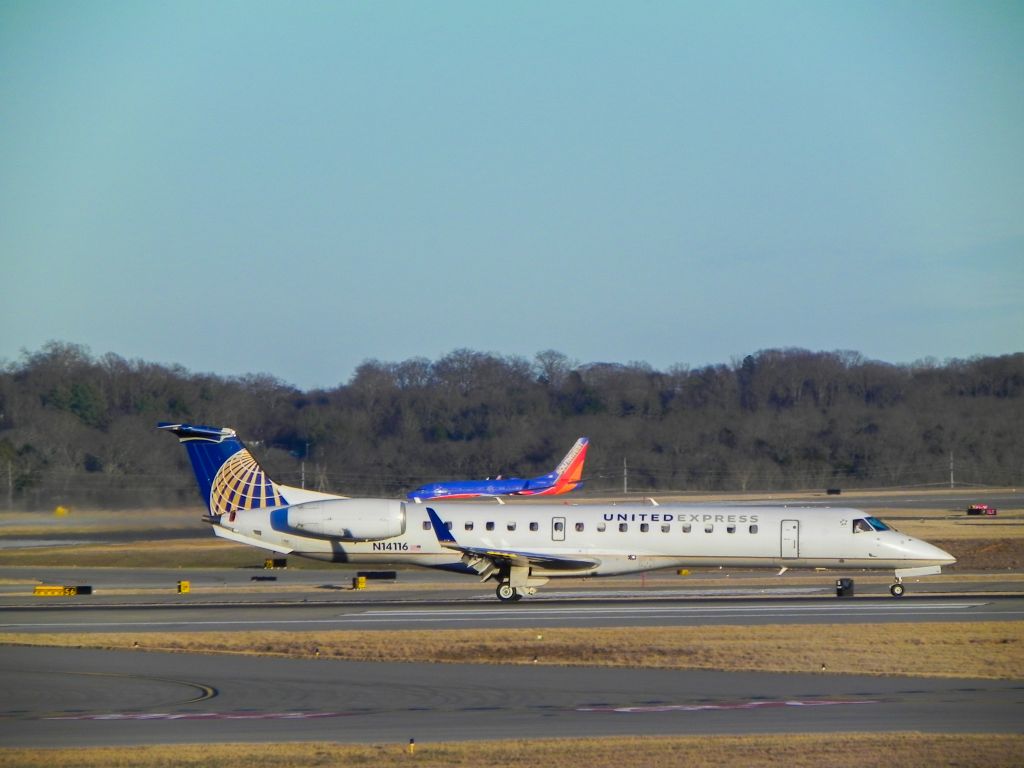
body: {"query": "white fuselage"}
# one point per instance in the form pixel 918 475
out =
pixel 618 539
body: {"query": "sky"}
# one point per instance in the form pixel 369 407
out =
pixel 294 188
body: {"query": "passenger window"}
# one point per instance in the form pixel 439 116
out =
pixel 469 526
pixel 665 527
pixel 709 528
pixel 753 529
pixel 731 529
pixel 687 528
pixel 623 527
pixel 559 526
pixel 601 527
pixel 511 526
pixel 426 525
pixel 489 526
pixel 534 526
pixel 579 527
pixel 644 527
pixel 448 525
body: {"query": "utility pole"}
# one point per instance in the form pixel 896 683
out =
pixel 625 477
pixel 950 469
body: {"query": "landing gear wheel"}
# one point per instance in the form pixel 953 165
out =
pixel 506 593
pixel 896 590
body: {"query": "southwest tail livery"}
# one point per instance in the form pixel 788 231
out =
pixel 567 476
pixel 523 547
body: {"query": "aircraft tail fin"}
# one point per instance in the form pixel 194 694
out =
pixel 229 477
pixel 568 475
pixel 570 469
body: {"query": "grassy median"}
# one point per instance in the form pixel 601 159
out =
pixel 993 650
pixel 853 750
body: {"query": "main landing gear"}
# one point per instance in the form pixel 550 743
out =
pixel 509 594
pixel 897 589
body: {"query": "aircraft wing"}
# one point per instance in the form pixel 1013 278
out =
pixel 517 557
pixel 513 557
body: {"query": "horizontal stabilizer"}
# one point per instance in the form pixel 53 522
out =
pixel 190 432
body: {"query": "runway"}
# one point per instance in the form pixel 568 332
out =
pixel 75 697
pixel 620 610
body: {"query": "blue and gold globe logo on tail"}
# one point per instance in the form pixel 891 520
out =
pixel 240 483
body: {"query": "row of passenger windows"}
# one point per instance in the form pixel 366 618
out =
pixel 602 527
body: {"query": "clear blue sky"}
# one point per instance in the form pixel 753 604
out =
pixel 296 187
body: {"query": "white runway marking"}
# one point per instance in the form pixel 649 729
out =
pixel 719 707
pixel 642 609
pixel 199 716
pixel 539 613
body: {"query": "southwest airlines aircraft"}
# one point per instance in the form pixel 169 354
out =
pixel 566 477
pixel 523 547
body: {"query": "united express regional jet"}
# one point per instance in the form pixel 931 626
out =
pixel 523 547
pixel 566 477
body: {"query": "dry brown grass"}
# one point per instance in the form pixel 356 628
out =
pixel 960 529
pixel 856 750
pixel 170 553
pixel 992 650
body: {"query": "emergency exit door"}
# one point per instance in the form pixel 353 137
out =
pixel 558 529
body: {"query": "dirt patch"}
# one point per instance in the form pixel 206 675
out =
pixel 984 554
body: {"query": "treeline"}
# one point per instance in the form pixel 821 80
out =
pixel 79 430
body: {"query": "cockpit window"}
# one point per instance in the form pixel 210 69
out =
pixel 869 524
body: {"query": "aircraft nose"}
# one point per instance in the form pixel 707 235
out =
pixel 922 552
pixel 931 552
pixel 949 559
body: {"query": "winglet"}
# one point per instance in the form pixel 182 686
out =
pixel 444 536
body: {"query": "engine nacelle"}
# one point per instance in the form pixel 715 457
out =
pixel 344 519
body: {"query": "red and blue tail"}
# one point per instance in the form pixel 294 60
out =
pixel 568 475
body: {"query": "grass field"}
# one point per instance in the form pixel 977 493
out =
pixel 992 650
pixel 845 750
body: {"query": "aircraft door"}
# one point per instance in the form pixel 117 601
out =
pixel 558 529
pixel 790 538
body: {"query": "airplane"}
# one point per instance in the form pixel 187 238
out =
pixel 523 547
pixel 565 478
